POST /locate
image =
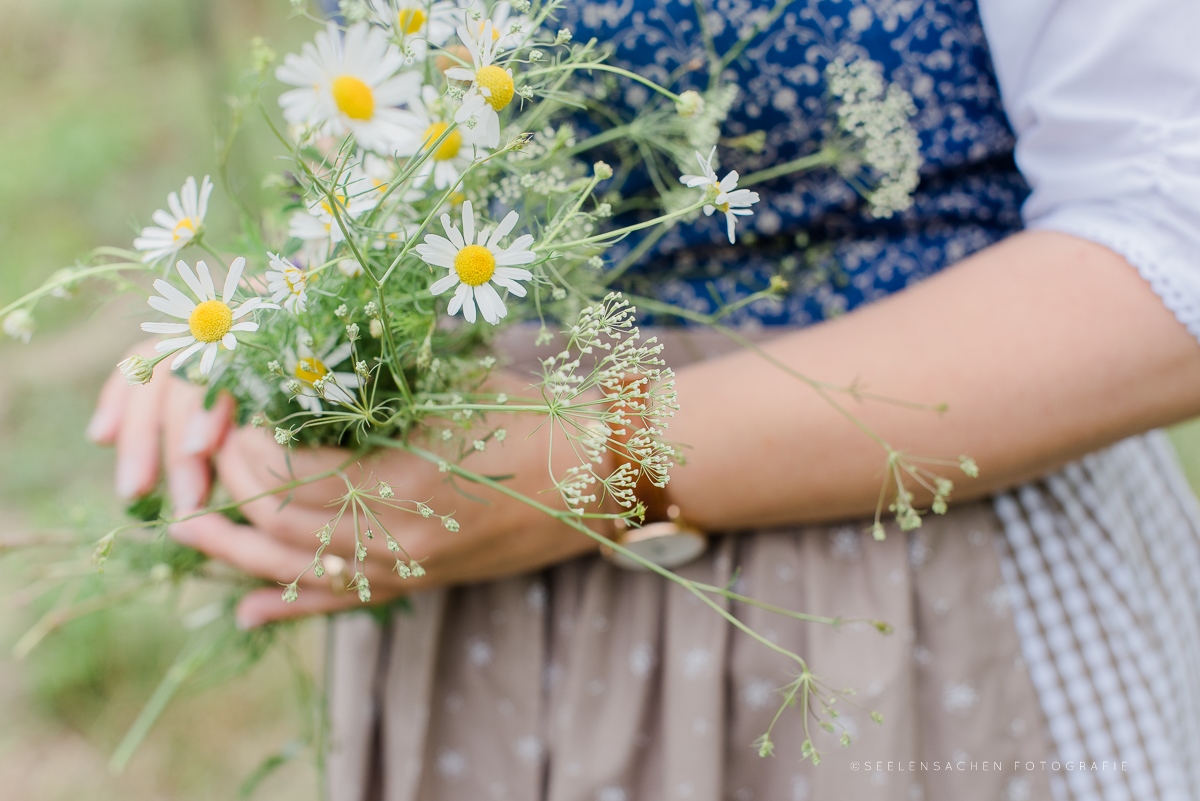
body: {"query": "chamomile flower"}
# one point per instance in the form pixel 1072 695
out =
pixel 508 30
pixel 209 323
pixel 453 154
pixel 287 283
pixel 415 23
pixel 351 86
pixel 178 224
pixel 724 196
pixel 492 87
pixel 306 366
pixel 478 266
pixel 355 196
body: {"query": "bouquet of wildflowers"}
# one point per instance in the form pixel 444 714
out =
pixel 445 180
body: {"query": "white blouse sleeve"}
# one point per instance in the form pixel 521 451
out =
pixel 1104 96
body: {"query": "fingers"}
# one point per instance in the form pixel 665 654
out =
pixel 267 605
pixel 190 434
pixel 242 547
pixel 206 429
pixel 110 408
pixel 138 438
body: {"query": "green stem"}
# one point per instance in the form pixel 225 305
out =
pixel 826 157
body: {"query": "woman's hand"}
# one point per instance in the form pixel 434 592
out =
pixel 497 536
pixel 160 423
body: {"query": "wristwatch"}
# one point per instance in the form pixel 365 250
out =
pixel 664 537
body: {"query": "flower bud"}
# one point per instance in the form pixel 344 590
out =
pixel 19 325
pixel 136 369
pixel 689 104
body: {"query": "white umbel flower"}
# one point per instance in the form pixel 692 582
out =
pixel 19 325
pixel 724 196
pixel 207 324
pixel 492 87
pixel 351 86
pixel 178 224
pixel 478 265
pixel 287 283
pixel 306 366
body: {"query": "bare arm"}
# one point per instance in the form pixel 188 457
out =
pixel 1044 346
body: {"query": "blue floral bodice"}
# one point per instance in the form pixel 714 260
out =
pixel 813 228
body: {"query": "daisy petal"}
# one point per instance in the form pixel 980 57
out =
pixel 185 354
pixel 234 277
pixel 503 229
pixel 167 307
pixel 189 278
pixel 168 345
pixel 442 284
pixel 210 292
pixel 173 295
pixel 468 222
pixel 209 357
pixel 229 341
pixel 164 328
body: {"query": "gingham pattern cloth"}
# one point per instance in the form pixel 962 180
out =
pixel 1102 560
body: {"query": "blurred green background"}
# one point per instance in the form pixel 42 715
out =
pixel 108 105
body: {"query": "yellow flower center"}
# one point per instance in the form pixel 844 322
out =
pixel 353 98
pixel 722 207
pixel 475 265
pixel 328 209
pixel 495 30
pixel 310 369
pixel 295 280
pixel 449 147
pixel 499 83
pixel 184 229
pixel 410 20
pixel 210 321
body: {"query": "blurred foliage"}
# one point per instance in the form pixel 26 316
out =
pixel 109 105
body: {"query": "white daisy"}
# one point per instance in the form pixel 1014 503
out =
pixel 178 225
pixel 415 23
pixel 307 366
pixel 508 30
pixel 725 196
pixel 209 323
pixel 287 283
pixel 455 152
pixel 476 265
pixel 492 88
pixel 350 85
pixel 357 195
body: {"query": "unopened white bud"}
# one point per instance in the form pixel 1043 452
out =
pixel 376 328
pixel 136 369
pixel 19 325
pixel 690 103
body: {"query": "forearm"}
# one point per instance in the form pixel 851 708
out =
pixel 1044 347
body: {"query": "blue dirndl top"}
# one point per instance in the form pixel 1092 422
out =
pixel 970 192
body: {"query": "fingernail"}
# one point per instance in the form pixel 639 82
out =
pixel 197 434
pixel 129 479
pixel 99 424
pixel 185 481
